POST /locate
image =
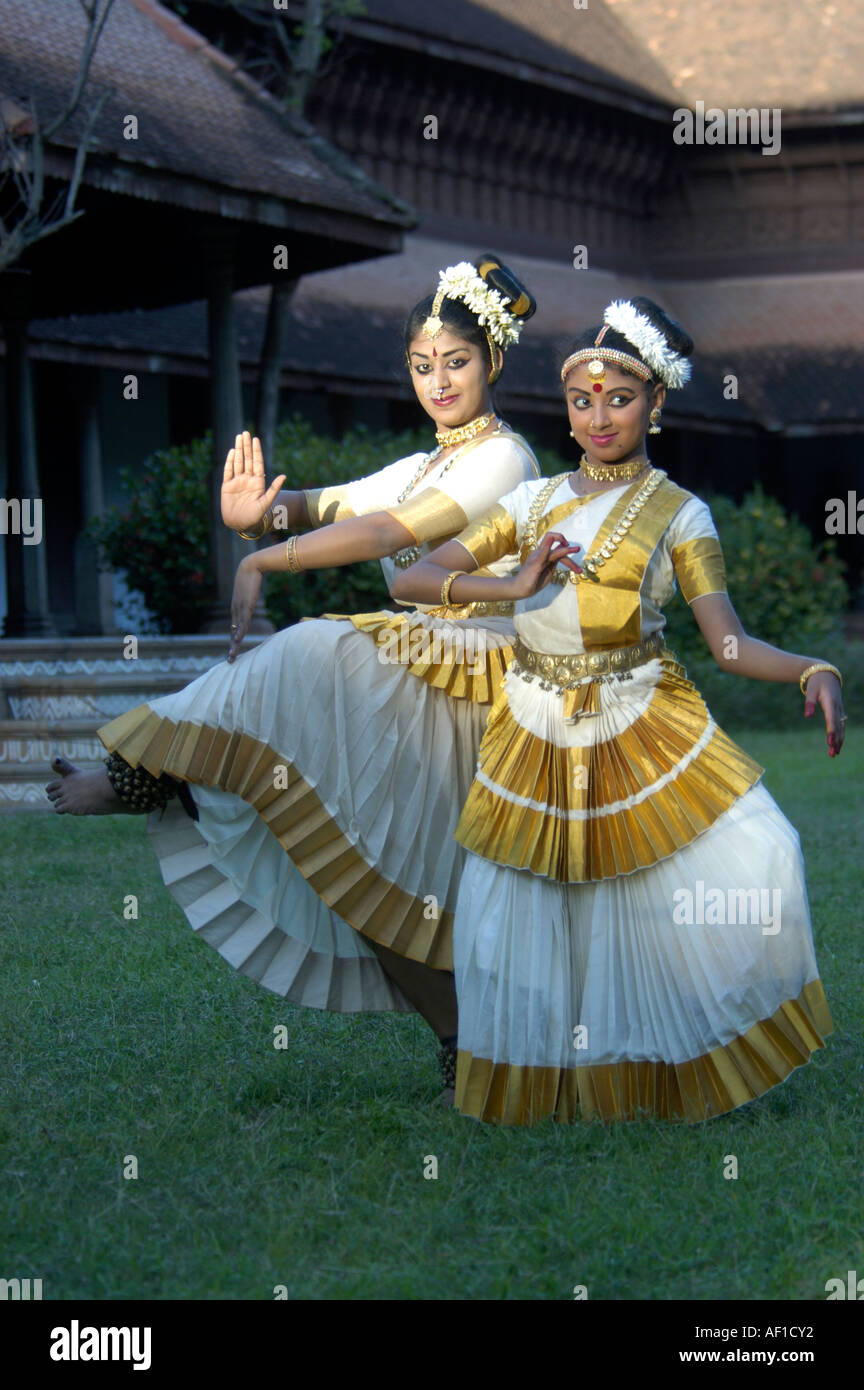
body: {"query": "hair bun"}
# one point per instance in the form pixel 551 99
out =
pixel 499 277
pixel 677 337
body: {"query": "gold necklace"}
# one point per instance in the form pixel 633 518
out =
pixel 462 433
pixel 612 472
pixel 597 558
pixel 411 553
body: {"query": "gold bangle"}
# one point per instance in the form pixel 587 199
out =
pixel 446 586
pixel 266 524
pixel 811 671
pixel 294 564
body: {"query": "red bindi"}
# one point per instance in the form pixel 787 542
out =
pixel 434 350
pixel 596 386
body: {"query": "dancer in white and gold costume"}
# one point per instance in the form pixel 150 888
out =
pixel 632 931
pixel 326 769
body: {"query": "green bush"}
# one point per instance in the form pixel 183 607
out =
pixel 158 539
pixel 785 590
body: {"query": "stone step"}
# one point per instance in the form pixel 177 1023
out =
pixel 49 728
pixel 111 648
pixel 32 742
pixel 24 796
pixel 29 771
pixel 63 689
pixel 161 682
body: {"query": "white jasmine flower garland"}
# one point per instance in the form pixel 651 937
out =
pixel 649 341
pixel 462 281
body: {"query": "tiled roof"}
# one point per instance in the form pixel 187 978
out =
pixel 588 45
pixel 817 309
pixel 198 117
pixel 341 339
pixel 806 55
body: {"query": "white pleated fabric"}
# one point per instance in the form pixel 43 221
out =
pixel 536 958
pixel 390 757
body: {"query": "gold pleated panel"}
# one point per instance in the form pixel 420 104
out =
pixel 710 1085
pixel 480 678
pixel 239 763
pixel 597 842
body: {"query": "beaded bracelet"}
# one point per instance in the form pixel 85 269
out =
pixel 811 671
pixel 446 586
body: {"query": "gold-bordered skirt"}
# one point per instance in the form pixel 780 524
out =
pixel 329 765
pixel 632 932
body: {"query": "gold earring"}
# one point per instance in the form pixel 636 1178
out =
pixel 654 418
pixel 572 435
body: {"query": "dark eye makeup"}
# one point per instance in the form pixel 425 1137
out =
pixel 454 364
pixel 619 396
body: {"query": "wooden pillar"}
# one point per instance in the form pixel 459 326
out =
pixel 28 612
pixel 226 413
pixel 270 367
pixel 94 588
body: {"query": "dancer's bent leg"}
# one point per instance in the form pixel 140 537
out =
pixel 433 994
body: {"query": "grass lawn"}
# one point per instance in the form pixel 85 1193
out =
pixel 304 1167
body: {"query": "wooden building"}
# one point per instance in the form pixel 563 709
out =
pixel 553 142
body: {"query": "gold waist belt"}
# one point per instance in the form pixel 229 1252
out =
pixel 480 608
pixel 578 665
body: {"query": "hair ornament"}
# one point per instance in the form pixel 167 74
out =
pixel 462 281
pixel 651 344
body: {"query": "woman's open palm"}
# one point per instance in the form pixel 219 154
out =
pixel 245 494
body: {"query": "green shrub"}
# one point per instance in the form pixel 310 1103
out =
pixel 158 539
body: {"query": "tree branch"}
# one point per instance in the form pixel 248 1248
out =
pixel 23 154
pixel 95 25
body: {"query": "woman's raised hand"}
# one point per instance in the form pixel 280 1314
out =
pixel 823 689
pixel 245 495
pixel 538 569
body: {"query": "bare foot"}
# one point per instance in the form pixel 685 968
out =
pixel 80 793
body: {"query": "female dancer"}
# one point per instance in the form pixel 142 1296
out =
pixel 632 929
pixel 323 771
